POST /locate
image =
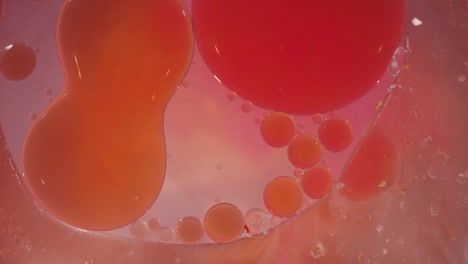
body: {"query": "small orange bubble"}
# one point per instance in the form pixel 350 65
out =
pixel 190 230
pixel 17 61
pixel 32 116
pixel 317 182
pixel 278 129
pixel 304 151
pixel 335 134
pixel 283 196
pixel 224 222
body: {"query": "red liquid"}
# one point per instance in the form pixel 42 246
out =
pixel 299 57
pixel 96 157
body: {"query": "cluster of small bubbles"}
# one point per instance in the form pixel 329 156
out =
pixel 379 228
pixel 247 107
pixel 256 220
pixel 22 239
pixel 462 177
pixel 232 96
pixel 166 234
pixel 318 251
pixel 397 62
pixel 139 229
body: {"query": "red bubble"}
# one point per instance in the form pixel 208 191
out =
pixel 295 56
pixel 335 134
pixel 304 151
pixel 317 182
pixel 278 129
pixel 371 168
pixel 17 61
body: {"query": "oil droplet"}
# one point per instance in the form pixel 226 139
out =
pixel 257 220
pixel 335 134
pixel 32 116
pixel 224 222
pixel 317 118
pixel 283 196
pixel 154 224
pixel 166 234
pixel 139 229
pixel 298 172
pixel 374 161
pixel 186 83
pixel 190 230
pixel 317 182
pixel 304 151
pixel 17 61
pixel 246 107
pixel 48 91
pixel 232 96
pixel 278 129
pixel 258 119
pixel 115 61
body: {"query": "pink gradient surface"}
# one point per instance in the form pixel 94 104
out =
pixel 215 152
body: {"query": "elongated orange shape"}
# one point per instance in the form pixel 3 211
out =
pixel 96 158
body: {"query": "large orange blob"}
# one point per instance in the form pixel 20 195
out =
pixel 298 56
pixel 96 157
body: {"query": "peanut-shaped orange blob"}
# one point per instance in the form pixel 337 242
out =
pixel 96 157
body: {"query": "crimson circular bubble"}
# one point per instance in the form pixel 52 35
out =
pixel 17 61
pixel 298 56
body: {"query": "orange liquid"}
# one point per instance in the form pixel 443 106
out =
pixel 96 157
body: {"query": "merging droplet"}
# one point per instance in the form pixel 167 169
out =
pixel 257 220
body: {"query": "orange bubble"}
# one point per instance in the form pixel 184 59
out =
pixel 304 151
pixel 247 107
pixel 370 169
pixel 317 182
pixel 224 222
pixel 283 196
pixel 190 230
pixel 96 157
pixel 17 61
pixel 335 134
pixel 278 129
